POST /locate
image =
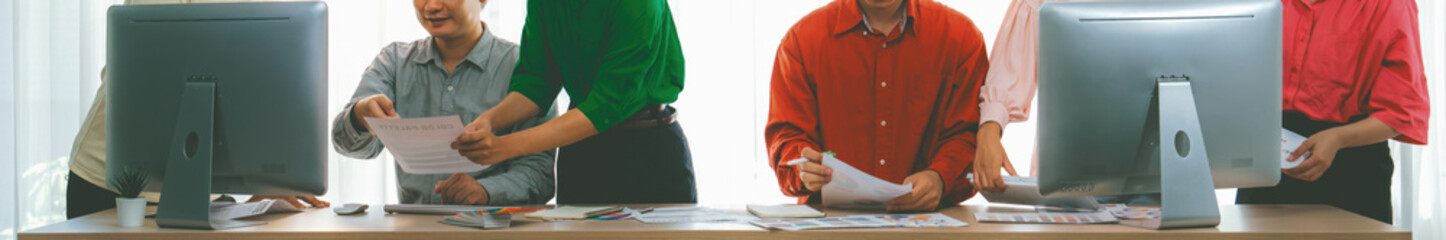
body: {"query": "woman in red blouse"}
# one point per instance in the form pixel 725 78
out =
pixel 1353 79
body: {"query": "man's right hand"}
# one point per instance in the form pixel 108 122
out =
pixel 812 173
pixel 377 106
pixel 989 157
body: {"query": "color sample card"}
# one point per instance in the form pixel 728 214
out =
pixel 1061 218
pixel 920 220
pixel 861 221
pixel 822 223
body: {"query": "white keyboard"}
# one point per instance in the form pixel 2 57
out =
pixel 432 209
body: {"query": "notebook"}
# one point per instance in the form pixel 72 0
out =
pixel 784 211
pixel 574 212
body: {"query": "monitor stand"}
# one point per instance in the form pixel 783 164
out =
pixel 186 194
pixel 1187 192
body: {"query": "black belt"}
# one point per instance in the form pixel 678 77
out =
pixel 651 116
pixel 648 117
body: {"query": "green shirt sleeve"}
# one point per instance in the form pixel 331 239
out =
pixel 641 55
pixel 535 76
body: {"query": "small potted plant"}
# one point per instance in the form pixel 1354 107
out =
pixel 130 207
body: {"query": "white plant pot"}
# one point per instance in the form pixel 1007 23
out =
pixel 131 211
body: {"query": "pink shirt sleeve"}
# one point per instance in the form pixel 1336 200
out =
pixel 1009 88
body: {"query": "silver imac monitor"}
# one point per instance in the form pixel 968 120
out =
pixel 218 98
pixel 1170 97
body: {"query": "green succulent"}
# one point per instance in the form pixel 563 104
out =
pixel 130 182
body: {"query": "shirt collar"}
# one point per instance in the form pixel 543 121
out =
pixel 851 16
pixel 478 55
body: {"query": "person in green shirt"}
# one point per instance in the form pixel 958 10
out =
pixel 621 64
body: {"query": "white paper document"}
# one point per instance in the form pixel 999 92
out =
pixel 1289 141
pixel 424 145
pixel 855 189
pixel 230 210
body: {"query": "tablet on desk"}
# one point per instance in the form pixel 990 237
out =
pixel 1025 191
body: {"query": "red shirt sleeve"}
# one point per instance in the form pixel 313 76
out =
pixel 953 155
pixel 792 116
pixel 1399 98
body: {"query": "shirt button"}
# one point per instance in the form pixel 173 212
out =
pixel 883 84
pixel 449 88
pixel 881 162
pixel 883 123
pixel 886 45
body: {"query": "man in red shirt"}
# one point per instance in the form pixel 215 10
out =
pixel 891 86
pixel 1353 79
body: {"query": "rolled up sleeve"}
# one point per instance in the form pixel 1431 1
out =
pixel 527 179
pixel 354 141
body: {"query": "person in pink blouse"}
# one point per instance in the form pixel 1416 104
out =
pixel 1008 89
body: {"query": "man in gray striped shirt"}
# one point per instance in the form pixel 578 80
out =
pixel 463 70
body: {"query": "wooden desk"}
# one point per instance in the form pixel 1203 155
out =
pixel 1238 222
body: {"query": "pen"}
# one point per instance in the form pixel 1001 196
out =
pixel 798 161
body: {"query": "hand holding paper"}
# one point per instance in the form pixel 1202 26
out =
pixel 928 188
pixel 375 106
pixel 1290 142
pixel 479 145
pixel 855 189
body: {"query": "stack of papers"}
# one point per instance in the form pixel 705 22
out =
pixel 861 221
pixel 784 211
pixel 855 189
pixel 231 210
pixel 575 212
pixel 480 219
pixel 424 145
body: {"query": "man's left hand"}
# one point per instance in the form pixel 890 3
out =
pixel 928 188
pixel 461 189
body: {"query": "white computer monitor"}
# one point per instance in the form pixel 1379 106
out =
pixel 218 98
pixel 1157 97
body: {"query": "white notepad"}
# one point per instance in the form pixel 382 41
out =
pixel 574 212
pixel 784 211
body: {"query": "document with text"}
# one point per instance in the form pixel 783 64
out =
pixel 424 145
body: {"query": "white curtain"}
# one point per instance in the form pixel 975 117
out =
pixel 1420 172
pixel 51 52
pixel 52 56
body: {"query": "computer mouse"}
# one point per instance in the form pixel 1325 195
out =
pixel 350 208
